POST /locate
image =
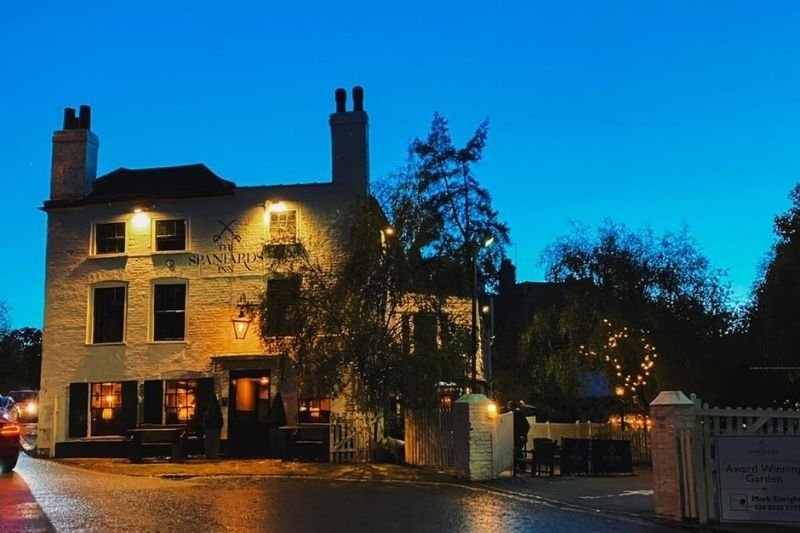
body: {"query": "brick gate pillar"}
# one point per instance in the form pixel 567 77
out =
pixel 472 438
pixel 673 414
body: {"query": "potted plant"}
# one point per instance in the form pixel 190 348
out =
pixel 212 425
pixel 276 419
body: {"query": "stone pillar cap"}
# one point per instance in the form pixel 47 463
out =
pixel 671 397
pixel 473 398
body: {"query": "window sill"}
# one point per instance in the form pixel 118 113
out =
pixel 184 341
pixel 171 252
pixel 123 343
pixel 108 256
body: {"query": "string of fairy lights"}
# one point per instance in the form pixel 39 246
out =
pixel 633 380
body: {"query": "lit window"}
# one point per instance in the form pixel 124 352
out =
pixel 169 311
pixel 107 408
pixel 108 314
pixel 283 227
pixel 170 235
pixel 109 238
pixel 314 410
pixel 180 398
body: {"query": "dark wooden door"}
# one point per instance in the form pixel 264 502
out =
pixel 248 409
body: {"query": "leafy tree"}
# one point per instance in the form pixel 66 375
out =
pixel 625 295
pixel 773 318
pixel 406 255
pixel 444 212
pixel 20 359
pixel 347 325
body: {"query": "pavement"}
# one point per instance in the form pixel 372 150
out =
pixel 628 495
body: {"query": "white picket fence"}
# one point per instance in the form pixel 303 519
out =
pixel 352 438
pixel 639 438
pixel 698 461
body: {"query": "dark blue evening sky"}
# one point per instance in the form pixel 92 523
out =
pixel 652 114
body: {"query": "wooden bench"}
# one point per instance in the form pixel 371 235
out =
pixel 308 441
pixel 156 437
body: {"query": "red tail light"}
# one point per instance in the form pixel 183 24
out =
pixel 10 430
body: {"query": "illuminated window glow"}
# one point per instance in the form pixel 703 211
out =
pixel 106 408
pixel 283 227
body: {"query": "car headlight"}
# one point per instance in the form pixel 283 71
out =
pixel 31 408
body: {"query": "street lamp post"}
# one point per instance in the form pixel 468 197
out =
pixel 474 300
pixel 474 246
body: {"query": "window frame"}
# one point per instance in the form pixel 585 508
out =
pixel 114 425
pixel 92 321
pixel 306 406
pixel 94 251
pixel 185 235
pixel 274 239
pixel 285 328
pixel 153 317
pixel 172 388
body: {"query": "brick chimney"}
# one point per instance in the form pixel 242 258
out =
pixel 74 167
pixel 349 143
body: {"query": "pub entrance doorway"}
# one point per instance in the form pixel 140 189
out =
pixel 248 412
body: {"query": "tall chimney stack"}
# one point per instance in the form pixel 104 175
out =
pixel 350 144
pixel 74 166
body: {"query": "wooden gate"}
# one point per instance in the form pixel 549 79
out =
pixel 696 447
pixel 503 444
pixel 429 438
pixel 352 438
pixel 713 422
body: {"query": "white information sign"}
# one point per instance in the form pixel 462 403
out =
pixel 759 478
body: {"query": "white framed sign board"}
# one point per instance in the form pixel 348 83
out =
pixel 759 478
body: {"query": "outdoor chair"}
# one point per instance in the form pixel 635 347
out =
pixel 544 454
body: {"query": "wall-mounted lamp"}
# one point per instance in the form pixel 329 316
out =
pixel 141 220
pixel 277 207
pixel 241 322
pixel 491 410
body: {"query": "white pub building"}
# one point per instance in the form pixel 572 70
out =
pixel 150 274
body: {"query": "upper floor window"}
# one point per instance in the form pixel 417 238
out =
pixel 283 227
pixel 169 311
pixel 108 314
pixel 421 333
pixel 170 235
pixel 109 238
pixel 282 296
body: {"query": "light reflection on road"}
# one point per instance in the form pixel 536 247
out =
pixel 77 499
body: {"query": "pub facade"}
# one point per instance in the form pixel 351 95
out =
pixel 151 277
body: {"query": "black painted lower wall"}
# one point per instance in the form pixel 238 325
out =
pixel 121 448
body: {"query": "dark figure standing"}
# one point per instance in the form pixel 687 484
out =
pixel 521 428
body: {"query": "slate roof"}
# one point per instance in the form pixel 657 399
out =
pixel 183 181
pixel 186 180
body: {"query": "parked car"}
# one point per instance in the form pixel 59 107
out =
pixel 27 402
pixel 9 442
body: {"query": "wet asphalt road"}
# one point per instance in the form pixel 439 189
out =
pixel 80 500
